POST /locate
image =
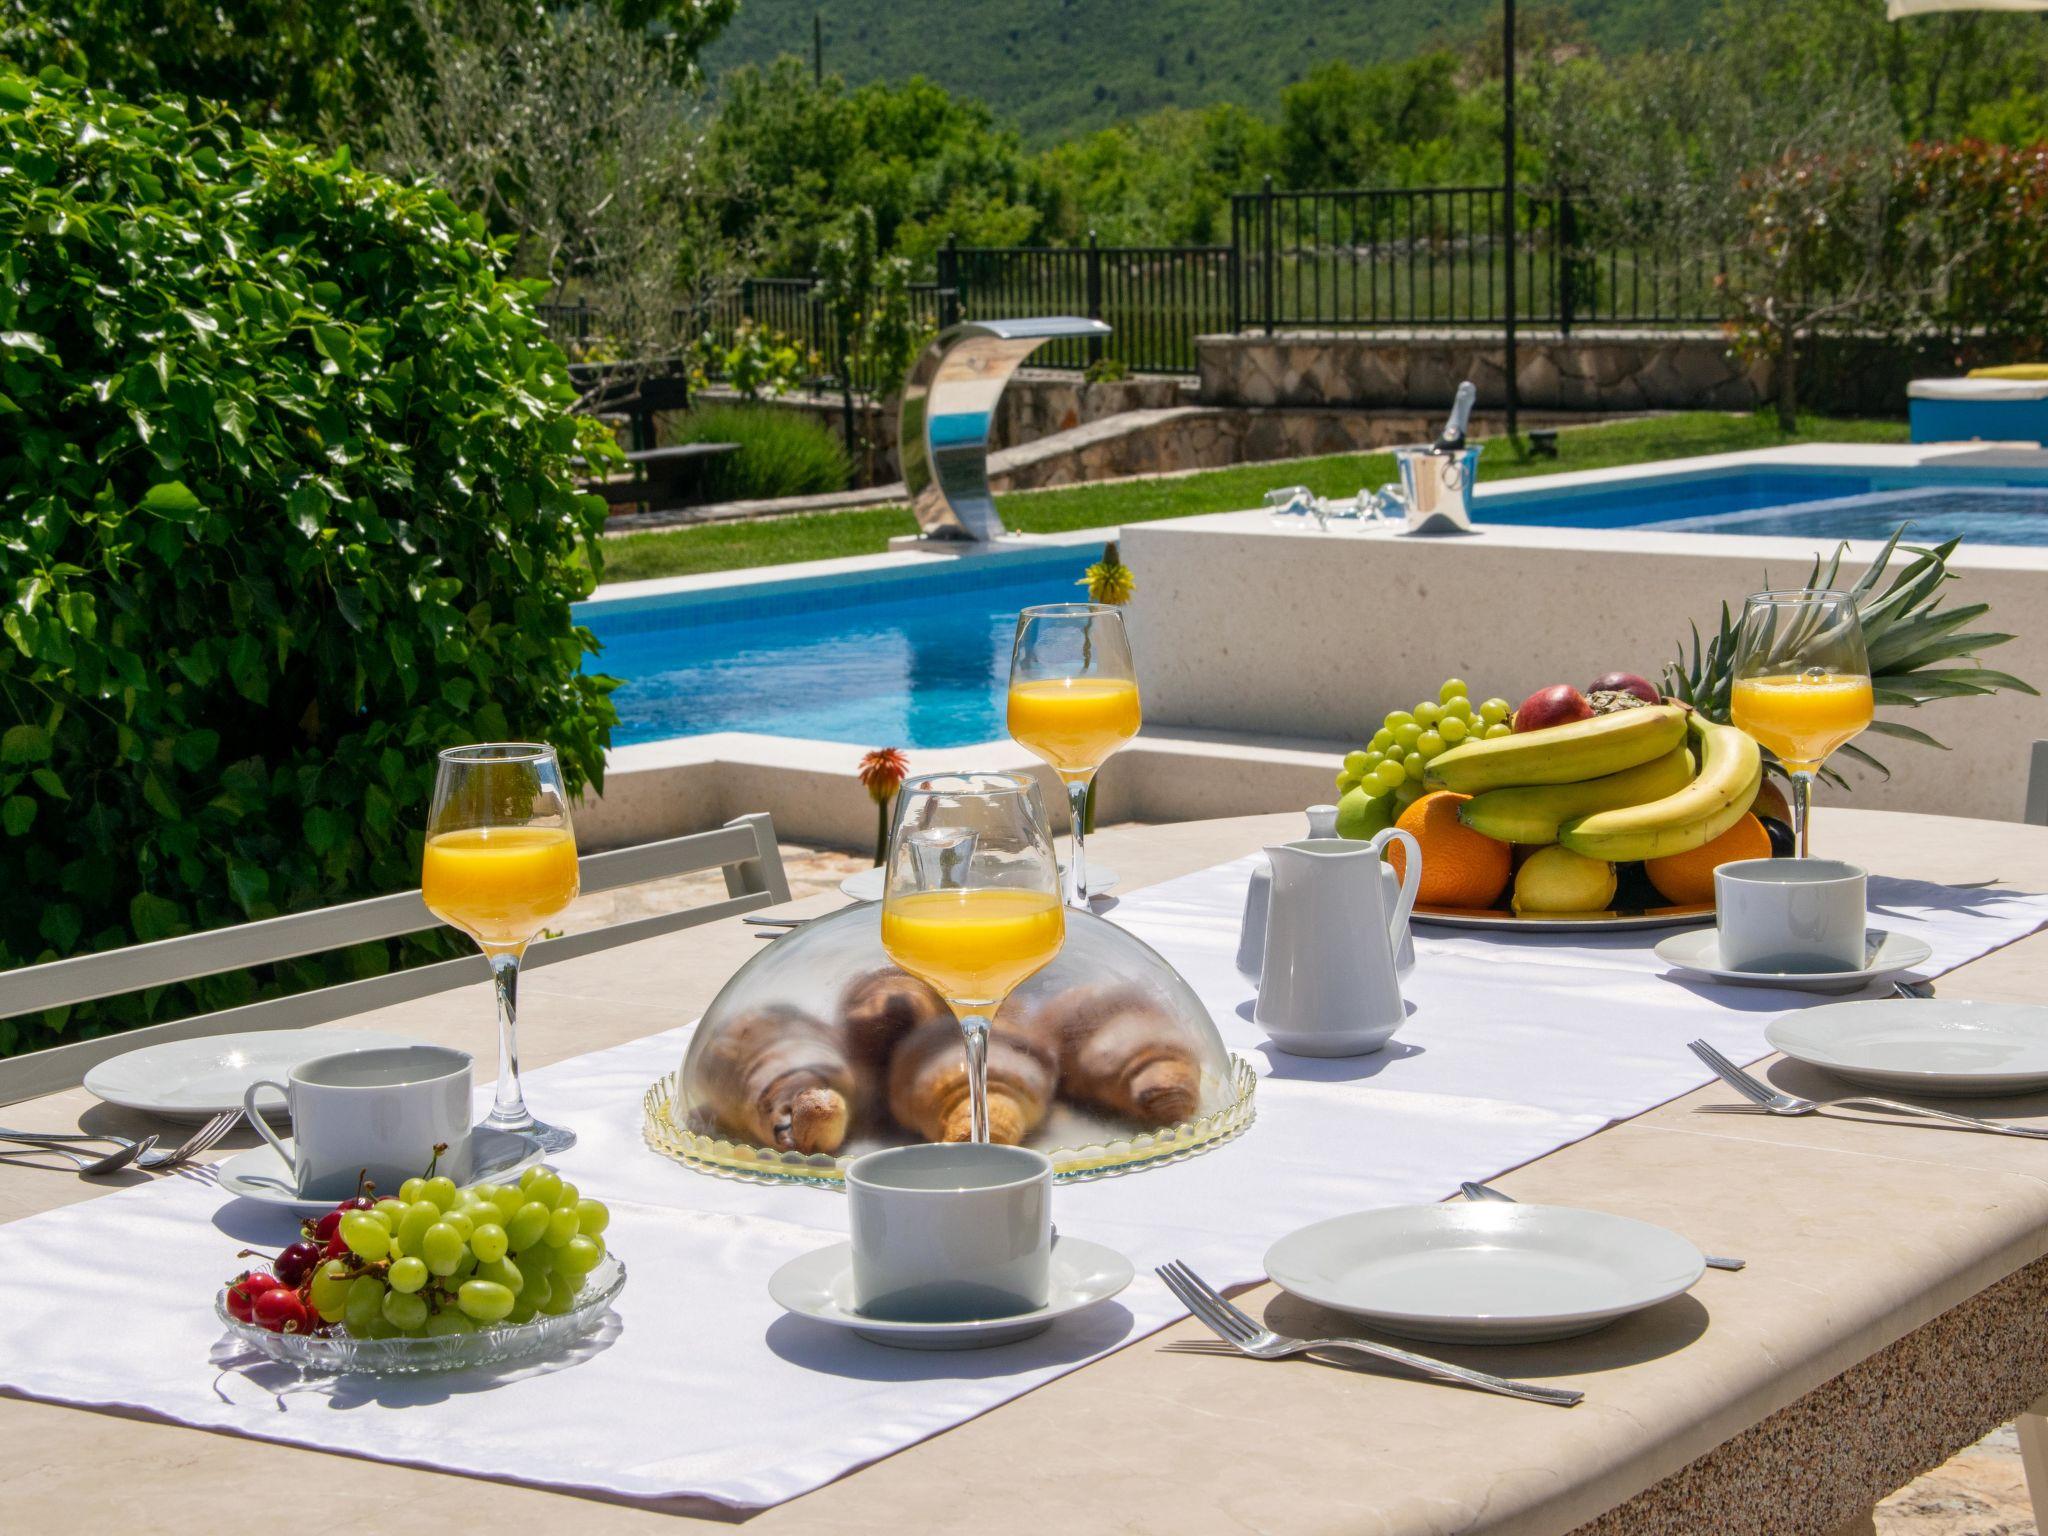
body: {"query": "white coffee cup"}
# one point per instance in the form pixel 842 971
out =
pixel 951 1232
pixel 381 1110
pixel 1790 916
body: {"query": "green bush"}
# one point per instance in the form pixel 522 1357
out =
pixel 782 452
pixel 288 500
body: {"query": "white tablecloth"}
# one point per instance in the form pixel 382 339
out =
pixel 700 1389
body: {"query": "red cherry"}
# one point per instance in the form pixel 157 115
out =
pixel 297 1262
pixel 281 1311
pixel 359 1203
pixel 325 1228
pixel 335 1249
pixel 242 1293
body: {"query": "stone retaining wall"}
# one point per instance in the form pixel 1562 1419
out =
pixel 1037 404
pixel 1191 437
pixel 1583 371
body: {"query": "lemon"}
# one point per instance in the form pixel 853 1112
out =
pixel 1555 879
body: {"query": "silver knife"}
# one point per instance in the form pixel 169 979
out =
pixel 1476 1191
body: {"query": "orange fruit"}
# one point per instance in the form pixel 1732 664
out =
pixel 1460 867
pixel 1684 879
pixel 1770 801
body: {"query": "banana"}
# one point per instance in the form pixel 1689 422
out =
pixel 1533 813
pixel 1730 770
pixel 1563 754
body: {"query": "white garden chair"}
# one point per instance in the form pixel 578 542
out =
pixel 744 848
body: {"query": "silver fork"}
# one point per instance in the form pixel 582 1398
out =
pixel 1473 1190
pixel 1771 1101
pixel 139 1152
pixel 1237 1329
pixel 202 1140
pixel 88 1165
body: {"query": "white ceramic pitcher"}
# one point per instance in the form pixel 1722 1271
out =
pixel 1330 984
pixel 1258 895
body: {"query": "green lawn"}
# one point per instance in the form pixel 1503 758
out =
pixel 826 535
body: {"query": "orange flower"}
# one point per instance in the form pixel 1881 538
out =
pixel 882 771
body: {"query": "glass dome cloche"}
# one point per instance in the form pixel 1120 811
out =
pixel 819 1049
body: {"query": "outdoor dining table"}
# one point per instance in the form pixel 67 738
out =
pixel 1894 1310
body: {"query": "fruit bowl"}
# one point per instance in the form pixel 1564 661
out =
pixel 819 1049
pixel 342 1353
pixel 1614 919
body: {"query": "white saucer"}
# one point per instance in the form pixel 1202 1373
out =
pixel 820 1286
pixel 1884 955
pixel 1927 1045
pixel 197 1079
pixel 1485 1272
pixel 867 885
pixel 260 1174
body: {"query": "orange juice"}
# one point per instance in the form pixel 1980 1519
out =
pixel 973 945
pixel 1074 723
pixel 499 885
pixel 1802 716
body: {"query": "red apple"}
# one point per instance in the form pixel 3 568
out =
pixel 1559 704
pixel 1627 682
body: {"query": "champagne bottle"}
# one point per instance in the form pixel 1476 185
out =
pixel 1452 438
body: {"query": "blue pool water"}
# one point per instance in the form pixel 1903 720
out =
pixel 1824 505
pixel 914 658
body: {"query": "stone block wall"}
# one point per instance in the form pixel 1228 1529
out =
pixel 1617 371
pixel 1037 404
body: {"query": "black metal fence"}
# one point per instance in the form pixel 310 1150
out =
pixel 1353 259
pixel 1156 299
pixel 1423 256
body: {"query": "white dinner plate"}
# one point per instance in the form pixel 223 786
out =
pixel 260 1174
pixel 1884 955
pixel 1485 1272
pixel 819 1285
pixel 197 1079
pixel 867 885
pixel 1934 1045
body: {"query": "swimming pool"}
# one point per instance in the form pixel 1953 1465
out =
pixel 915 657
pixel 1825 504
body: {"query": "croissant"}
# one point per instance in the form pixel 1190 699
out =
pixel 878 1009
pixel 780 1078
pixel 928 1082
pixel 1120 1051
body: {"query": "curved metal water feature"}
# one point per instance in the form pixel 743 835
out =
pixel 949 404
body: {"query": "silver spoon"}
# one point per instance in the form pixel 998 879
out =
pixel 89 1166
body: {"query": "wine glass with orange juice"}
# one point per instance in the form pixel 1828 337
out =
pixel 1802 684
pixel 971 903
pixel 1073 702
pixel 500 863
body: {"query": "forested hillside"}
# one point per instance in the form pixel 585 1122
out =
pixel 1051 67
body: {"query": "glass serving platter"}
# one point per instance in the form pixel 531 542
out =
pixel 505 1344
pixel 1090 1149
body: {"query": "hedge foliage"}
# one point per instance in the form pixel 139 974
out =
pixel 288 500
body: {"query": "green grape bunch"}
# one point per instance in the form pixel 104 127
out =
pixel 435 1259
pixel 1391 771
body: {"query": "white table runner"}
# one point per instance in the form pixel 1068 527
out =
pixel 700 1389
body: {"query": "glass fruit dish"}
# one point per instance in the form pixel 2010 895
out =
pixel 499 1345
pixel 819 1049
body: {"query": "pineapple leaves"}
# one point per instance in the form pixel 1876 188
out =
pixel 1850 749
pixel 1906 632
pixel 1901 732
